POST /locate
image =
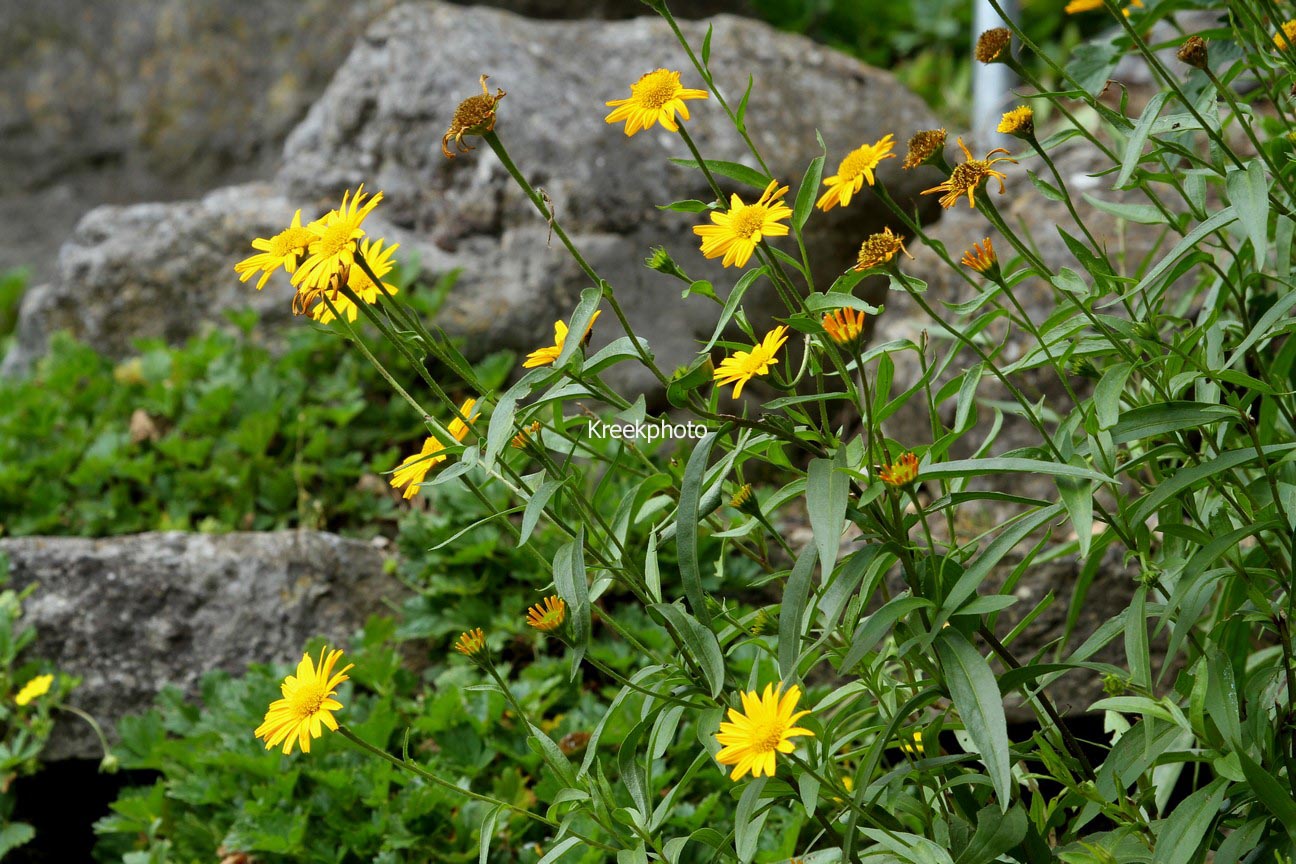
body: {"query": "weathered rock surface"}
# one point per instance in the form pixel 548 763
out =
pixel 131 614
pixel 152 100
pixel 381 120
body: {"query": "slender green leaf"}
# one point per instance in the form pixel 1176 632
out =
pixel 975 694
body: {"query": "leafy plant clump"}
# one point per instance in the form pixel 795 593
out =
pixel 701 679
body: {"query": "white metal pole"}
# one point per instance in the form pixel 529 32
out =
pixel 992 83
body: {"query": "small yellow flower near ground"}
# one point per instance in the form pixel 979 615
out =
pixel 902 472
pixel 1019 122
pixel 844 326
pixel 981 257
pixel 548 614
pixel 521 439
pixel 878 249
pixel 853 171
pixel 284 250
pixel 916 748
pixel 970 174
pixel 763 728
pixel 1284 39
pixel 655 98
pixel 547 355
pixel 306 704
pixel 746 365
pixel 991 44
pixel 735 233
pixel 923 146
pixel 34 689
pixel 414 469
pixel 380 262
pixel 471 643
pixel 474 116
pixel 334 241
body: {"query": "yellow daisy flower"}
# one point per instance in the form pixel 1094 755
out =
pixel 1283 40
pixel 33 689
pixel 844 326
pixel 380 262
pixel 654 98
pixel 547 355
pixel 981 259
pixel 284 250
pixel 923 146
pixel 902 472
pixel 334 243
pixel 745 365
pixel 414 469
pixel 878 249
pixel 857 167
pixel 1019 122
pixel 306 704
pixel 547 615
pixel 970 174
pixel 763 728
pixel 735 233
pixel 472 643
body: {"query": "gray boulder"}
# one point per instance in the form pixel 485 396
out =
pixel 118 102
pixel 132 614
pixel 381 121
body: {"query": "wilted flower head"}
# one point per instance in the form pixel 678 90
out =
pixel 923 146
pixel 1193 52
pixel 968 175
pixel 878 249
pixel 474 116
pixel 991 44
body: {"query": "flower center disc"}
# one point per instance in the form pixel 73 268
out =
pixel 854 164
pixel 655 90
pixel 747 220
pixel 290 240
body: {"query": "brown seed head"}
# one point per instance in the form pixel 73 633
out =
pixel 474 116
pixel 992 43
pixel 1193 52
pixel 923 146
